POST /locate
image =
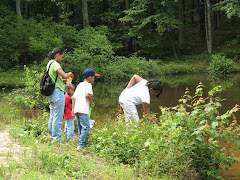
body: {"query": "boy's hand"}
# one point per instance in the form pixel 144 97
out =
pixel 92 105
pixel 73 113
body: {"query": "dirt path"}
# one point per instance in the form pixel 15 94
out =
pixel 9 151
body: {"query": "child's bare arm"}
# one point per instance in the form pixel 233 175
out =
pixel 88 96
pixel 73 105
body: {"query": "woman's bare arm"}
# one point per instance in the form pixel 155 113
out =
pixel 147 111
pixel 64 75
pixel 135 78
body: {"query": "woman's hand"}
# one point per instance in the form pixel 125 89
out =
pixel 70 74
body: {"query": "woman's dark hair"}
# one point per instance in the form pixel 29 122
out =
pixel 155 85
pixel 51 55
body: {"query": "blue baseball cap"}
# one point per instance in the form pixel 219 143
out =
pixel 89 72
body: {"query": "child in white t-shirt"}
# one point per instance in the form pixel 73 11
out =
pixel 139 93
pixel 80 106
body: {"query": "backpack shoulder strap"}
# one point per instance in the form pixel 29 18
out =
pixel 48 71
pixel 49 66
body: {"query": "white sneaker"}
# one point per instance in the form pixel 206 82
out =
pixel 79 148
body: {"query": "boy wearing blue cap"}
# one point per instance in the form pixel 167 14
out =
pixel 81 102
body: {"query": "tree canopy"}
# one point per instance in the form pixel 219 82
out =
pixel 153 29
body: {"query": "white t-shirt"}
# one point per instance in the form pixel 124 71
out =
pixel 81 102
pixel 137 94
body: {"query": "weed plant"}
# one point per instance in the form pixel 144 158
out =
pixel 190 141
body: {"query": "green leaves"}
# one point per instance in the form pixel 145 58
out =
pixel 230 7
pixel 190 141
pixel 221 65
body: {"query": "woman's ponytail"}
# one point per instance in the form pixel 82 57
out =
pixel 57 50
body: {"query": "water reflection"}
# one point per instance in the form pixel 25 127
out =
pixel 106 95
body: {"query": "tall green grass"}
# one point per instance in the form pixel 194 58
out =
pixel 45 160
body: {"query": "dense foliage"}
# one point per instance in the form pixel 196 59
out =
pixel 221 65
pixel 139 28
pixel 189 143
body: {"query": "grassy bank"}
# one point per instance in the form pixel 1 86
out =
pixel 121 69
pixel 42 159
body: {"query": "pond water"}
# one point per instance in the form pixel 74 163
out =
pixel 106 94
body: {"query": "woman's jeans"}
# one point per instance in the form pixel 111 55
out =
pixel 69 128
pixel 57 104
pixel 83 128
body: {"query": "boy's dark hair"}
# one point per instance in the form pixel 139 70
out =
pixel 155 85
pixel 51 55
pixel 68 86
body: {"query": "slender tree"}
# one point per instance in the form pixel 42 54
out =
pixel 18 8
pixel 26 10
pixel 59 11
pixel 180 18
pixel 85 14
pixel 208 25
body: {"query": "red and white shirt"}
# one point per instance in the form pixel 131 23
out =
pixel 68 107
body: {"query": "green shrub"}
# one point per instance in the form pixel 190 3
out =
pixel 174 68
pixel 70 36
pixel 221 65
pixel 24 41
pixel 30 97
pixel 189 143
pixel 42 40
pixel 95 51
pixel 94 42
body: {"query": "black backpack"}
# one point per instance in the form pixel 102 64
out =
pixel 46 85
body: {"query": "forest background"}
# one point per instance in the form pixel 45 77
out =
pixel 119 37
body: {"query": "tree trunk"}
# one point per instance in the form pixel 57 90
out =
pixel 85 14
pixel 26 10
pixel 59 12
pixel 18 8
pixel 130 42
pixel 172 43
pixel 201 14
pixel 192 7
pixel 208 26
pixel 216 19
pixel 180 18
